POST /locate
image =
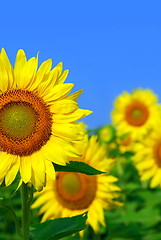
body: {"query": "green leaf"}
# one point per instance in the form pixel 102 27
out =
pixel 59 228
pixel 76 166
pixel 124 135
pixel 75 237
pixel 152 235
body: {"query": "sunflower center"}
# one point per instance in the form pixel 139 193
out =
pixel 136 114
pixel 25 122
pixel 71 184
pixel 157 153
pixel 75 190
pixel 18 120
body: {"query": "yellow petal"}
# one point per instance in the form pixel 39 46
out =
pixel 76 115
pixel 145 164
pixel 19 185
pixel 54 153
pixel 100 213
pixel 27 73
pixel 4 81
pixel 156 179
pixel 33 84
pixel 68 148
pixel 41 74
pixel 50 171
pixel 59 68
pixel 64 106
pixel 44 69
pixel 19 64
pixel 53 77
pixel 42 199
pixel 69 131
pixel 6 160
pixel 11 174
pixel 74 96
pixel 36 181
pixel 62 77
pixel 8 67
pixel 47 215
pixel 25 168
pixel 1 180
pixel 45 207
pixel 93 220
pixel 38 167
pixel 111 178
pixel 147 174
pixel 58 92
pixel 48 82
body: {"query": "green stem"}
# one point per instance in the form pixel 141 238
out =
pixel 18 229
pixel 31 195
pixel 97 237
pixel 25 211
pixel 120 169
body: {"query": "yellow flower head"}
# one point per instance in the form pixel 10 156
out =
pixel 74 193
pixel 136 113
pixel 147 157
pixel 37 119
pixel 125 143
pixel 106 134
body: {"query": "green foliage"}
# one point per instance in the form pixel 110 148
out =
pixel 76 166
pixel 140 216
pixel 59 228
pixel 138 219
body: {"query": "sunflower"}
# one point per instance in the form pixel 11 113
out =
pixel 37 119
pixel 136 113
pixel 106 134
pixel 125 143
pixel 74 193
pixel 147 157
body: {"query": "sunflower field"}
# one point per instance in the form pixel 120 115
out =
pixel 59 179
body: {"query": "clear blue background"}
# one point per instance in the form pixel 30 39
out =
pixel 109 46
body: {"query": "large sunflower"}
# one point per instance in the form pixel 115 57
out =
pixel 74 193
pixel 136 113
pixel 147 157
pixel 37 119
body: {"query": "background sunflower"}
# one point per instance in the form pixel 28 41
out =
pixel 74 193
pixel 136 113
pixel 147 157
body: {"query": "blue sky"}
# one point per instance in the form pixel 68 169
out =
pixel 108 46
